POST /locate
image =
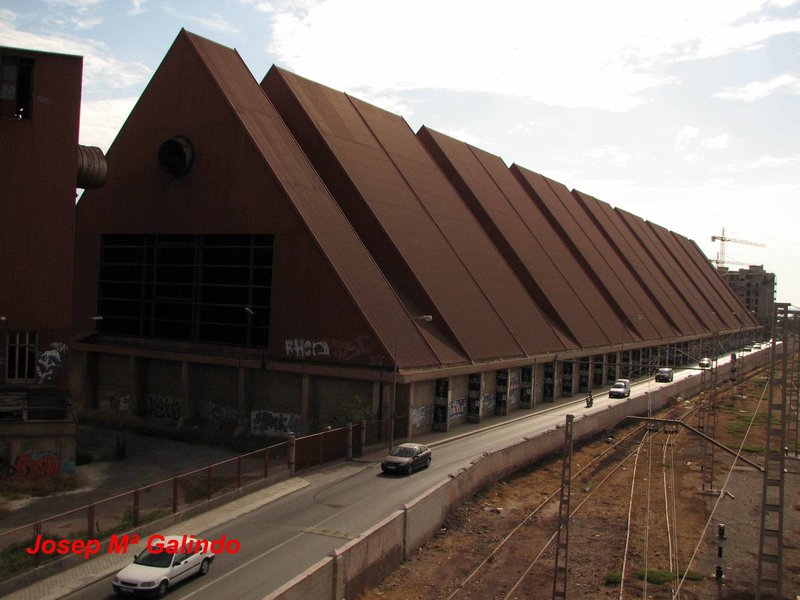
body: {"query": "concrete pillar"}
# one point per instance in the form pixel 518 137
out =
pixel 187 410
pixel 304 397
pixel 137 367
pixel 242 404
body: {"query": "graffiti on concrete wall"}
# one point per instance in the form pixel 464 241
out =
pixel 348 350
pixel 266 422
pixel 162 407
pixel 306 348
pixel 422 416
pixel 218 414
pixel 37 465
pixel 458 407
pixel 488 403
pixel 50 362
pixel 342 350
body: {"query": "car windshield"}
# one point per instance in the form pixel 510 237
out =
pixel 664 371
pixel 147 559
pixel 404 452
pixel 618 385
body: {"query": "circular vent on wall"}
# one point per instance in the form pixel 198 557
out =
pixel 175 156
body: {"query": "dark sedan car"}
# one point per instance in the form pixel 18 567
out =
pixel 664 375
pixel 406 458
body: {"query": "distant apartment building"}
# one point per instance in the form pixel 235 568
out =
pixel 756 289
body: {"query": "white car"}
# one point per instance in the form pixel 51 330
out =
pixel 154 572
pixel 705 363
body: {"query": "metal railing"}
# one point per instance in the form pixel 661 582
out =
pixel 129 510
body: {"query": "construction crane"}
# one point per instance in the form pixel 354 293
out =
pixel 723 239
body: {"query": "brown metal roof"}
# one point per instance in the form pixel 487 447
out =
pixel 509 263
pixel 387 183
pixel 631 252
pixel 478 178
pixel 734 312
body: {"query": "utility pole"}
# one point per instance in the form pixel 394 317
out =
pixel 562 540
pixel 770 545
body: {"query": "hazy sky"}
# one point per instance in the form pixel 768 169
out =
pixel 686 113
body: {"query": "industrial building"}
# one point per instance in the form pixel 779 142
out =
pixel 279 257
pixel 40 98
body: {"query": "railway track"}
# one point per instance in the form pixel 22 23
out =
pixel 641 461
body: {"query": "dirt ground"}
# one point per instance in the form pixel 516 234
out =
pixel 661 520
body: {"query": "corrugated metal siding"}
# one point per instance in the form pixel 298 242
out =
pixel 37 198
pixel 504 227
pixel 461 231
pixel 618 237
pixel 740 317
pixel 594 316
pixel 612 271
pixel 671 270
pixel 403 224
pixel 720 317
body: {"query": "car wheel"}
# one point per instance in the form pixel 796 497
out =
pixel 409 468
pixel 162 589
pixel 428 462
pixel 204 566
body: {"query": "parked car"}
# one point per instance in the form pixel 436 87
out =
pixel 747 349
pixel 665 374
pixel 153 573
pixel 406 458
pixel 705 363
pixel 756 346
pixel 620 389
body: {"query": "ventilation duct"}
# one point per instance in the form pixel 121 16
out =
pixel 175 156
pixel 92 167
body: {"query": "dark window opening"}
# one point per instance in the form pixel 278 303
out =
pixel 16 87
pixel 187 287
pixel 21 356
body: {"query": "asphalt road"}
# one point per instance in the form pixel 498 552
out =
pixel 280 540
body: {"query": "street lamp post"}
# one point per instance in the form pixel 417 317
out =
pixel 427 318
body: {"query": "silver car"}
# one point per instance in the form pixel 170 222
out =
pixel 152 573
pixel 406 458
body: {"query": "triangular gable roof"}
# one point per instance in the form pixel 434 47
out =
pixel 417 344
pixel 413 222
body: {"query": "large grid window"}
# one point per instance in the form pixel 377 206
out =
pixel 16 87
pixel 187 287
pixel 21 356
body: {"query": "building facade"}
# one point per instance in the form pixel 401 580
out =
pixel 756 289
pixel 279 257
pixel 40 96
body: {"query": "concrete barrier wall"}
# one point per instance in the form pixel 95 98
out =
pixel 371 557
pixel 315 582
pixel 367 560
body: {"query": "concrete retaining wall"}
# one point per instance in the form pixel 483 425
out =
pixel 367 560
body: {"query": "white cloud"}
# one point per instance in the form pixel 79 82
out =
pixel 686 137
pixel 213 22
pixel 774 161
pixel 718 142
pixel 137 7
pixel 455 44
pixel 102 71
pixel 609 155
pixel 102 119
pixel 757 90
